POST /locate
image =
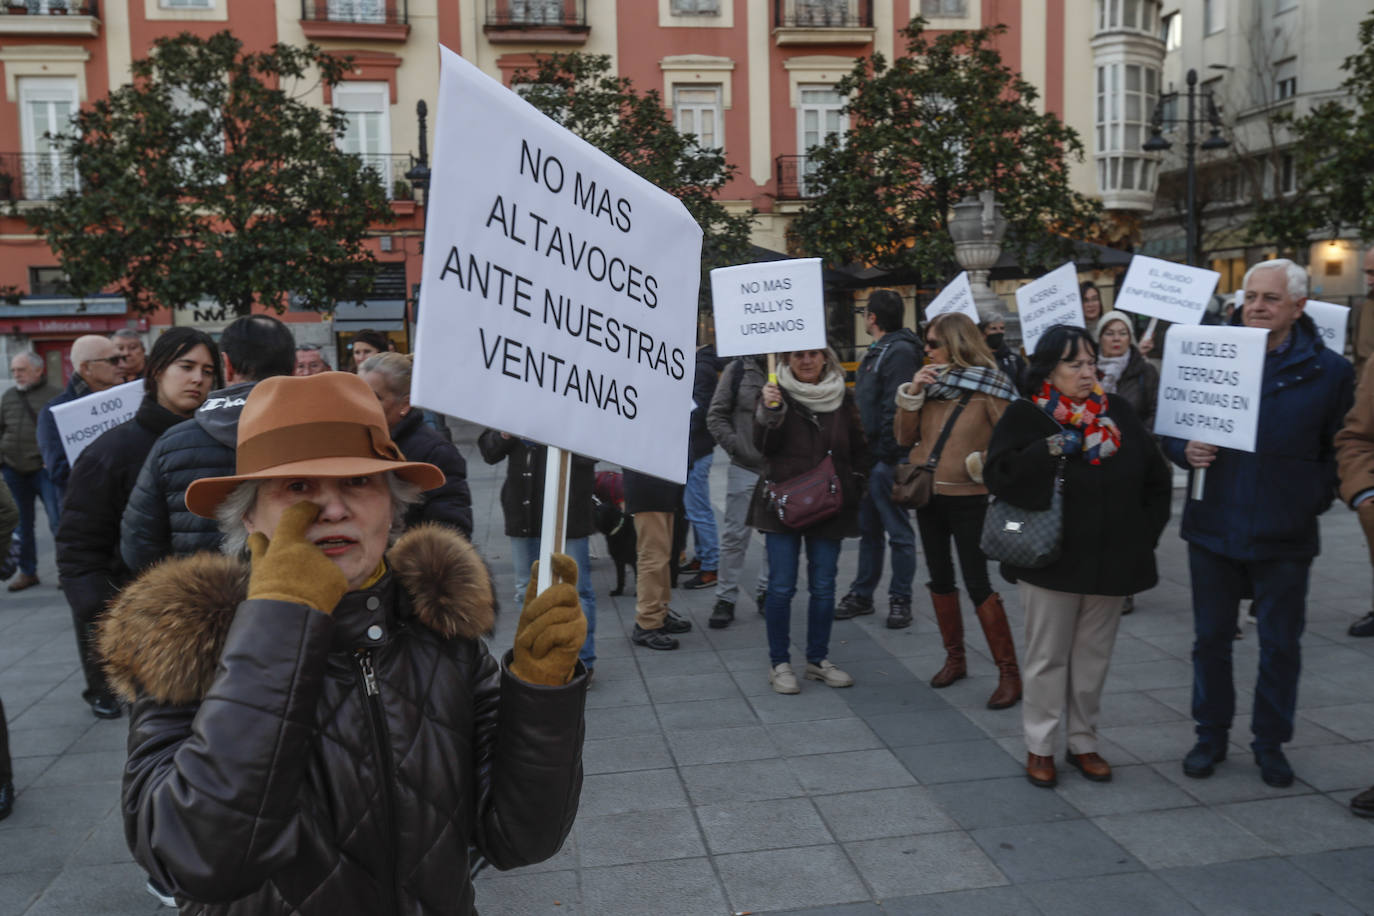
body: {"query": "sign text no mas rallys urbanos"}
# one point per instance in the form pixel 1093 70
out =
pixel 1209 388
pixel 770 307
pixel 1047 302
pixel 81 422
pixel 559 296
pixel 1166 290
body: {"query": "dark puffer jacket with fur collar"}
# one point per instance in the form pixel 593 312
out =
pixel 285 761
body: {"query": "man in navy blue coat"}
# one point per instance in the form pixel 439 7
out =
pixel 1254 532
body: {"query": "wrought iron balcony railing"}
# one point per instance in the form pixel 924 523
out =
pixel 48 8
pixel 537 14
pixel 378 12
pixel 822 14
pixel 792 172
pixel 390 170
pixel 35 176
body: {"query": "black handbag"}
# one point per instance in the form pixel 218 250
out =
pixel 914 484
pixel 808 498
pixel 1028 538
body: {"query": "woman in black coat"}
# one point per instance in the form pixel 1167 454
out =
pixel 182 369
pixel 388 375
pixel 1116 500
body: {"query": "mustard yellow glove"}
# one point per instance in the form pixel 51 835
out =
pixel 290 568
pixel 551 628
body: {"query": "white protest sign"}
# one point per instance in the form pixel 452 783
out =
pixel 956 297
pixel 1166 290
pixel 1052 300
pixel 768 307
pixel 80 422
pixel 1331 320
pixel 1209 388
pixel 559 292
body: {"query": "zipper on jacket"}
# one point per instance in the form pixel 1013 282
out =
pixel 383 748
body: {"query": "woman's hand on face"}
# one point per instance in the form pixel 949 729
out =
pixel 1199 454
pixel 772 396
pixel 926 375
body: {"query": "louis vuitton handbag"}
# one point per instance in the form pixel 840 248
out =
pixel 1026 538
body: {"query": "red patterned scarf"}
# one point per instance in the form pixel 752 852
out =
pixel 1101 436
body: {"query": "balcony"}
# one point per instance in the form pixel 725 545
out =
pixel 374 20
pixel 35 176
pixel 390 171
pixel 556 22
pixel 822 22
pixel 792 172
pixel 49 17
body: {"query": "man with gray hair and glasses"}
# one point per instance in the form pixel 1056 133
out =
pixel 130 346
pixel 21 461
pixel 310 360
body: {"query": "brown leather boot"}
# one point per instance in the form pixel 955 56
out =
pixel 993 616
pixel 952 632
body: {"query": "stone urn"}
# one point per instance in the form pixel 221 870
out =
pixel 978 228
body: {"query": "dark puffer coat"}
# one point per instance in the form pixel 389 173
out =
pixel 49 442
pixel 522 495
pixel 285 761
pixel 450 504
pixel 793 440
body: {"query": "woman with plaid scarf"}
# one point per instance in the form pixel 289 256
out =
pixel 1116 500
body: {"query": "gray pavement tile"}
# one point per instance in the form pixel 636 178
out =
pixel 1306 733
pixel 996 723
pixel 971 692
pixel 1155 742
pixel 101 736
pixel 1132 650
pixel 883 813
pixel 1050 851
pixel 1300 825
pixel 1315 692
pixel 639 790
pixel 683 688
pixel 46 742
pixel 82 769
pixel 1132 789
pixel 77 808
pixel 1182 836
pixel 747 780
pixel 816 701
pixel 1259 887
pixel 1136 894
pixel 19 890
pixel 687 886
pixel 105 844
pixel 54 711
pixel 930 863
pixel 924 726
pixel 605 692
pixel 1345 871
pixel 1236 779
pixel 27 769
pixel 638 836
pixel 699 714
pixel 110 890
pixel 722 745
pixel 773 824
pixel 692 658
pixel 744 661
pixel 621 722
pixel 849 771
pixel 1136 708
pixel 843 909
pixel 616 755
pixel 985 901
pixel 783 879
pixel 823 735
pixel 1354 721
pixel 1000 803
pixel 516 893
pixel 1334 767
pixel 25 849
pixel 956 761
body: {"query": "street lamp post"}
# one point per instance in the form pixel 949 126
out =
pixel 419 176
pixel 1214 141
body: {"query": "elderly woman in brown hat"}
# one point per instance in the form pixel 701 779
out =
pixel 321 729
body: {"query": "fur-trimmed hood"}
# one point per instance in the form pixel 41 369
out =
pixel 163 635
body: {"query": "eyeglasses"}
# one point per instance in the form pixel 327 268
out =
pixel 933 345
pixel 112 360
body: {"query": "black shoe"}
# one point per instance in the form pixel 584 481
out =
pixel 761 596
pixel 652 639
pixel 1364 626
pixel 1363 804
pixel 898 613
pixel 1274 767
pixel 1202 760
pixel 1128 606
pixel 675 624
pixel 853 605
pixel 704 579
pixel 722 615
pixel 104 705
pixel 6 799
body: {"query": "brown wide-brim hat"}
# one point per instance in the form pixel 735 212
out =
pixel 326 425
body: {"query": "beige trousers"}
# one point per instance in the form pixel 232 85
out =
pixel 653 568
pixel 1066 651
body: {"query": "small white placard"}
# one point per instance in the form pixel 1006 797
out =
pixel 1047 302
pixel 81 422
pixel 1331 320
pixel 559 293
pixel 769 307
pixel 956 297
pixel 1166 290
pixel 1209 389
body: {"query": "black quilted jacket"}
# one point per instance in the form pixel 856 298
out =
pixel 285 761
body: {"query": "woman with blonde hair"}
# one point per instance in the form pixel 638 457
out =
pixel 959 396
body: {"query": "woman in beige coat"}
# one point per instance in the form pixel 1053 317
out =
pixel 961 371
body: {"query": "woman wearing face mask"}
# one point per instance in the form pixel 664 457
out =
pixel 1012 364
pixel 1116 500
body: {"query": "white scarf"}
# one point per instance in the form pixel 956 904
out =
pixel 821 397
pixel 1111 368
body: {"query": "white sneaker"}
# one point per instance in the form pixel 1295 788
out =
pixel 783 680
pixel 163 897
pixel 828 674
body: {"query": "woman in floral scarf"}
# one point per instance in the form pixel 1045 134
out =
pixel 1117 492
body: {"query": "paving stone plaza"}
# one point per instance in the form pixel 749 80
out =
pixel 706 793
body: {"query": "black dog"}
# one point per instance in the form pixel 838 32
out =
pixel 619 530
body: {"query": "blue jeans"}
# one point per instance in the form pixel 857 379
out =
pixel 696 499
pixel 525 553
pixel 822 564
pixel 24 487
pixel 879 516
pixel 1280 604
